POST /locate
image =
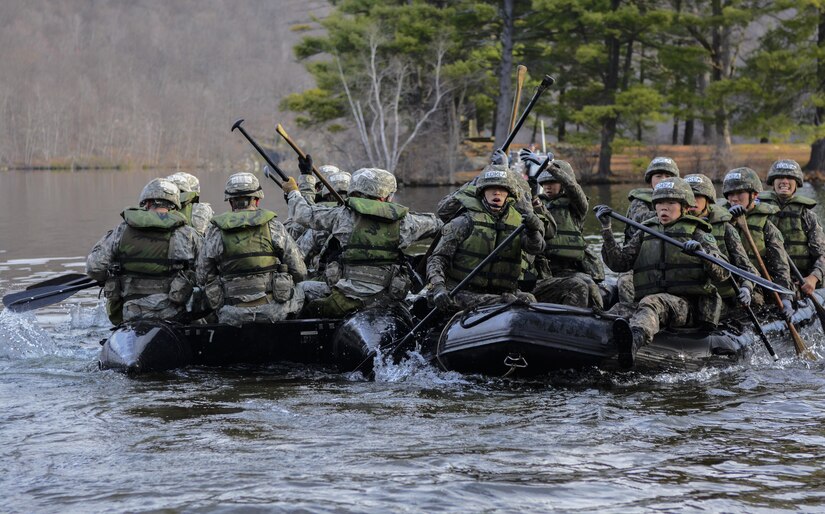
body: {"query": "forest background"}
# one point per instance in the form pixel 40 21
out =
pixel 422 88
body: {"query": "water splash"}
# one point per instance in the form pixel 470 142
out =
pixel 22 338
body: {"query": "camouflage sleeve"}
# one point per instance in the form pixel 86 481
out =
pixel 201 216
pixel 291 255
pixel 637 211
pixel 532 241
pixel 452 234
pixel 550 227
pixel 185 246
pixel 415 226
pixel 308 244
pixel 776 259
pixel 306 186
pixel 816 243
pixel 717 273
pixel 206 268
pixel 738 255
pixel 102 254
pixel 448 207
pixel 578 200
pixel 617 257
pixel 318 217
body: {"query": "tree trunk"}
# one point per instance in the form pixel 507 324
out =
pixel 720 57
pixel 687 136
pixel 611 85
pixel 504 106
pixel 674 134
pixel 817 160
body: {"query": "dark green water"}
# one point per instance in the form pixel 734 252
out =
pixel 73 439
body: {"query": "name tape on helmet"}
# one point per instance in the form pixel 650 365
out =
pixel 495 174
pixel 733 175
pixel 665 184
pixel 241 180
pixel 661 160
pixel 694 179
pixel 786 165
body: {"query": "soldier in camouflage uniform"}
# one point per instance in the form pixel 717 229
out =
pixel 487 219
pixel 249 265
pixel 313 190
pixel 318 246
pixel 797 221
pixel 741 187
pixel 727 238
pixel 147 263
pixel 562 268
pixel 371 232
pixel 198 215
pixel 672 287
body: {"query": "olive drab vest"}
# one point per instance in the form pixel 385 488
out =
pixel 661 267
pixel 500 276
pixel 568 243
pixel 249 256
pixel 757 218
pixel 644 194
pixel 376 234
pixel 789 221
pixel 186 201
pixel 718 219
pixel 143 252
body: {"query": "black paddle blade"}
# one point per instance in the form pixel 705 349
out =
pixel 40 297
pixel 68 279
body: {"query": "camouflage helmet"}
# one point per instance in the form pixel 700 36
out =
pixel 373 183
pixel 741 179
pixel 242 184
pixel 340 181
pixel 785 168
pixel 160 189
pixel 328 169
pixel 562 166
pixel 495 175
pixel 186 183
pixel 674 188
pixel 702 185
pixel 661 165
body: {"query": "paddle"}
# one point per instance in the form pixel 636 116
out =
pixel 69 278
pixel 31 299
pixel 799 345
pixel 504 244
pixel 820 310
pixel 281 132
pixel 756 326
pixel 767 284
pixel 521 74
pixel 237 125
pixel 546 82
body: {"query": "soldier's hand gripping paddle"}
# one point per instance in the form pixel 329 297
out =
pixel 281 132
pixel 272 165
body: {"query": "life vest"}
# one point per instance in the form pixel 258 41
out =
pixel 661 267
pixel 143 252
pixel 757 218
pixel 186 201
pixel 248 252
pixel 789 221
pixel 376 233
pixel 719 218
pixel 643 194
pixel 487 233
pixel 568 243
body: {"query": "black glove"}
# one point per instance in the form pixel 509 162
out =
pixel 305 164
pixel 603 214
pixel 441 298
pixel 532 222
pixel 737 210
pixel 531 157
pixel 787 308
pixel 500 158
pixel 692 246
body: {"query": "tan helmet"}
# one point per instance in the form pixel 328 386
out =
pixel 741 179
pixel 340 181
pixel 661 165
pixel 160 189
pixel 674 188
pixel 785 168
pixel 242 184
pixel 373 183
pixel 702 185
pixel 186 183
pixel 495 175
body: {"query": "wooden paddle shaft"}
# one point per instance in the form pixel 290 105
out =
pixel 280 130
pixel 521 74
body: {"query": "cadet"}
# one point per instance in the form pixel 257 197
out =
pixel 641 201
pixel 148 261
pixel 198 215
pixel 317 246
pixel 371 232
pixel 563 276
pixel 727 238
pixel 672 287
pixel 796 220
pixel 485 221
pixel 741 187
pixel 313 190
pixel 249 264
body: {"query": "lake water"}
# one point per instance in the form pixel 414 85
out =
pixel 74 439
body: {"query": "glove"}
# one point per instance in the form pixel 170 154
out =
pixel 289 186
pixel 787 308
pixel 737 210
pixel 692 246
pixel 532 222
pixel 305 164
pixel 500 158
pixel 441 298
pixel 603 214
pixel 744 296
pixel 528 156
